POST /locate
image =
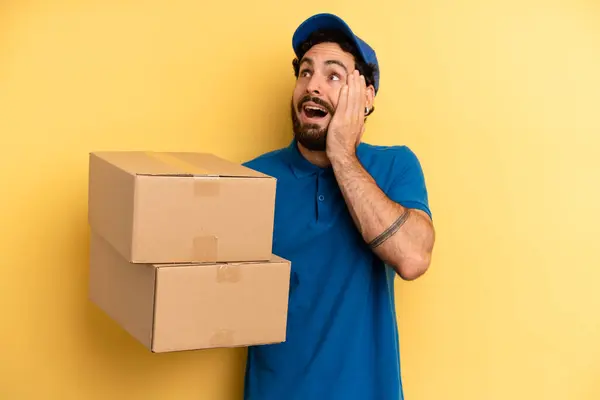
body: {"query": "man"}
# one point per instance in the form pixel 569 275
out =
pixel 350 217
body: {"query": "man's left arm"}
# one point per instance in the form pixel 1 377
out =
pixel 403 237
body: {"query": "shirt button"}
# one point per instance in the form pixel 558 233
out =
pixel 321 197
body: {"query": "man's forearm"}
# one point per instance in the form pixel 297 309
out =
pixel 401 237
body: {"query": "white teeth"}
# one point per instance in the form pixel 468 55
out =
pixel 314 108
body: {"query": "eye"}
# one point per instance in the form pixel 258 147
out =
pixel 305 73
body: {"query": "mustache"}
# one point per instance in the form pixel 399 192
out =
pixel 317 101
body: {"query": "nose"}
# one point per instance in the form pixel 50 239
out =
pixel 314 85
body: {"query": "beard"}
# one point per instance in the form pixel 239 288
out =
pixel 311 136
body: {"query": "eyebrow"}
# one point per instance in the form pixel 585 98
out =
pixel 310 62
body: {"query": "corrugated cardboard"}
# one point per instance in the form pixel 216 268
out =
pixel 189 307
pixel 158 207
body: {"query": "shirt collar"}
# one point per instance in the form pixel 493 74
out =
pixel 302 168
pixel 299 165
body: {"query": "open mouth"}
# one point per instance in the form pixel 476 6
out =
pixel 314 112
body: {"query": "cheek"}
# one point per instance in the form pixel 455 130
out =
pixel 300 86
pixel 334 96
pixel 297 94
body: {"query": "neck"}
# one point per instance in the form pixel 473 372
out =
pixel 318 158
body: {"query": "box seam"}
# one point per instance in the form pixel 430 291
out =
pixel 155 293
pixel 133 222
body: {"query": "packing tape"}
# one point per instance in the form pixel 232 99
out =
pixel 228 273
pixel 222 338
pixel 205 248
pixel 206 186
pixel 176 162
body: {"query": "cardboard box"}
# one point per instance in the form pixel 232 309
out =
pixel 191 306
pixel 180 207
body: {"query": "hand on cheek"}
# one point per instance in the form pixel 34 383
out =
pixel 347 125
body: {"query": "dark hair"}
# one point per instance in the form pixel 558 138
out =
pixel 333 36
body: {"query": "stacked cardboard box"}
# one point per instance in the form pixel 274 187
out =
pixel 181 250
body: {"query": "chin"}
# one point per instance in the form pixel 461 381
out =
pixel 312 139
pixel 313 145
pixel 310 133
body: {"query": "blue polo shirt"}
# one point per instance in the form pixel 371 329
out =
pixel 342 337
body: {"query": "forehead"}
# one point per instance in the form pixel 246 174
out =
pixel 324 53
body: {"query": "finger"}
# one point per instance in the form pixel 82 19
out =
pixel 355 111
pixel 342 101
pixel 349 94
pixel 363 96
pixel 358 111
pixel 363 90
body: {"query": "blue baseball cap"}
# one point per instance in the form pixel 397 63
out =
pixel 331 21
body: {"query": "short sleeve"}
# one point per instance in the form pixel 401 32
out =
pixel 407 185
